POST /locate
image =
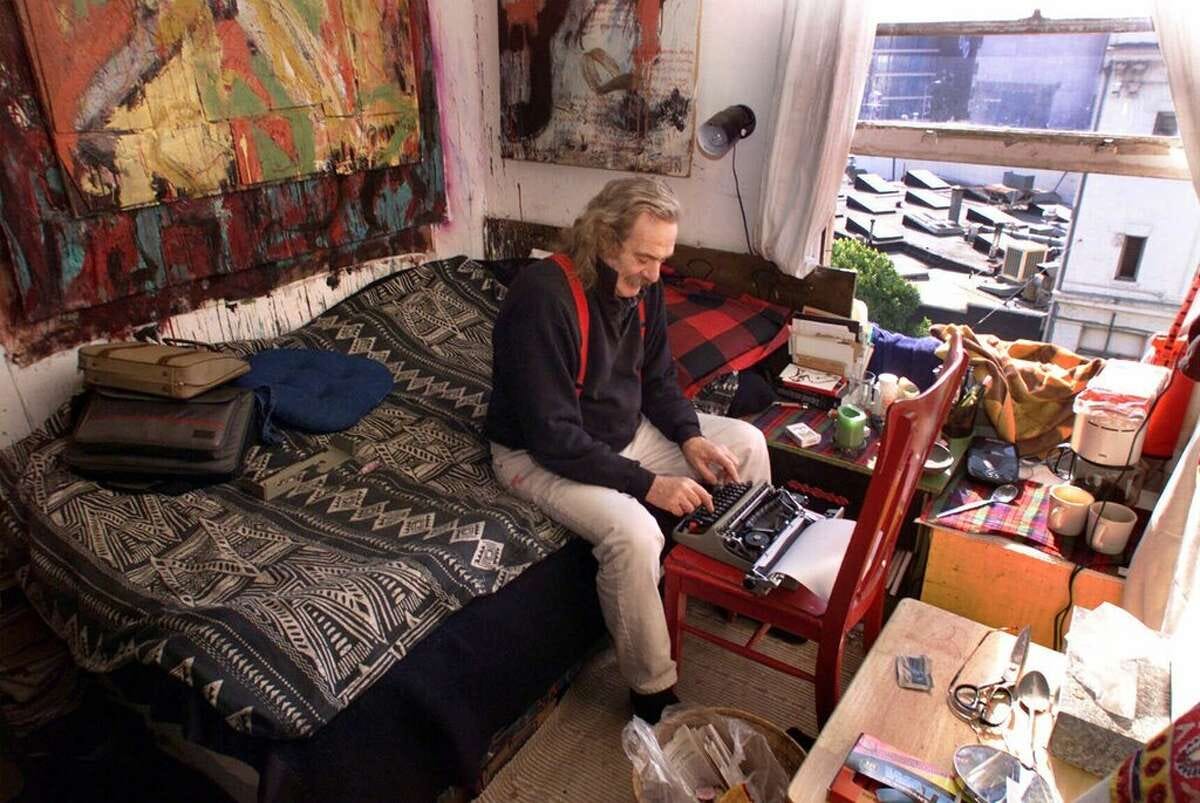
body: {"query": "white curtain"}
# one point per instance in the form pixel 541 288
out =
pixel 824 53
pixel 1164 577
pixel 1163 587
pixel 1177 24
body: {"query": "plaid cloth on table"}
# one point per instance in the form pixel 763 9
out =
pixel 774 422
pixel 1024 520
pixel 712 333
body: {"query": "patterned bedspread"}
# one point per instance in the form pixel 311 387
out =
pixel 282 612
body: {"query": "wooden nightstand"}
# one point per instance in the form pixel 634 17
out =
pixel 1005 583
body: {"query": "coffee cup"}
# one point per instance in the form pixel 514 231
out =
pixel 1068 509
pixel 1109 527
pixel 889 389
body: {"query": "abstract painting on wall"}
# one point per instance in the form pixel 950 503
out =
pixel 149 101
pixel 290 190
pixel 599 83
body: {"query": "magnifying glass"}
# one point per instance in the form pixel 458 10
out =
pixel 984 773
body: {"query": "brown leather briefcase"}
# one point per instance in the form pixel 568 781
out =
pixel 176 372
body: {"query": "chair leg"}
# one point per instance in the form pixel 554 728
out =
pixel 873 623
pixel 675 608
pixel 829 675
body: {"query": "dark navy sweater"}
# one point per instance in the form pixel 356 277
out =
pixel 535 362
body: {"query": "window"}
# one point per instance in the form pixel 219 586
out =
pixel 1017 81
pixel 1165 124
pixel 1131 257
pixel 1004 162
pixel 1084 94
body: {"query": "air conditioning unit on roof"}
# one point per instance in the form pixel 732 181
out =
pixel 1022 259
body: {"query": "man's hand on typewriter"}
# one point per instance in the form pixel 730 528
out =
pixel 678 496
pixel 702 454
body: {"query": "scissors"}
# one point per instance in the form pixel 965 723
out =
pixel 989 705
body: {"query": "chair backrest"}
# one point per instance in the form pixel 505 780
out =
pixel 912 428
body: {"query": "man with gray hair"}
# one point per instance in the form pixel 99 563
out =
pixel 588 422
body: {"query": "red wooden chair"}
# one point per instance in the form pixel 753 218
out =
pixel 852 588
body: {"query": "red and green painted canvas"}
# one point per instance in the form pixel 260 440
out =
pixel 330 153
pixel 148 102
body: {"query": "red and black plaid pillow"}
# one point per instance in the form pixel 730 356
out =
pixel 712 333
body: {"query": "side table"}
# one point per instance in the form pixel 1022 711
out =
pixel 921 723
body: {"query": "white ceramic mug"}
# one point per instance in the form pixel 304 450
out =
pixel 1068 509
pixel 1109 533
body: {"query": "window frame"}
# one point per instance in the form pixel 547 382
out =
pixel 1076 151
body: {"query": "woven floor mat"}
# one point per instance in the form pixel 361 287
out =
pixel 576 756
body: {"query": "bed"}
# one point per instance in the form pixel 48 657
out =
pixel 379 632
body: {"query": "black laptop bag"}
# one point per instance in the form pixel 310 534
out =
pixel 123 435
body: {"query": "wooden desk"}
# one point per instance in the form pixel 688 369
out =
pixel 1001 582
pixel 774 421
pixel 921 723
pixel 1007 570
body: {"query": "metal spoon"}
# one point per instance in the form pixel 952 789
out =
pixel 1005 494
pixel 1033 693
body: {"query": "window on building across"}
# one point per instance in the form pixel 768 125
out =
pixel 1165 124
pixel 1131 257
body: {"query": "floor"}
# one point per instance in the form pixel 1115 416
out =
pixel 577 757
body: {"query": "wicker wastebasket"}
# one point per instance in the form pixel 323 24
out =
pixel 789 754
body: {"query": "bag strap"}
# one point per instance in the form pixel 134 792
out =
pixel 581 313
pixel 186 343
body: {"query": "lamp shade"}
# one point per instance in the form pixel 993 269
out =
pixel 719 133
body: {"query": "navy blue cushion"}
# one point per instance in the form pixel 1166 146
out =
pixel 317 391
pixel 902 355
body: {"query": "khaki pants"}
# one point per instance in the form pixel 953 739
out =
pixel 625 538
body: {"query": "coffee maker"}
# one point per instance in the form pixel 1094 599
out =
pixel 1122 484
pixel 1111 414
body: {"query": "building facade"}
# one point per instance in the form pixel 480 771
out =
pixel 1136 241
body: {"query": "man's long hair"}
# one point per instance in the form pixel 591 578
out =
pixel 608 218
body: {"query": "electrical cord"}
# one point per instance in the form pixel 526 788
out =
pixel 1004 304
pixel 738 189
pixel 1060 618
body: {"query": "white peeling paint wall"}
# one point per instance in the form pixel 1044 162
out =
pixel 738 51
pixel 739 43
pixel 29 394
pixel 456 36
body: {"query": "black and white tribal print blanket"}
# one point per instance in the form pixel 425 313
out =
pixel 280 613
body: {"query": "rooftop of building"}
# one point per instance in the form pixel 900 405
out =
pixel 979 265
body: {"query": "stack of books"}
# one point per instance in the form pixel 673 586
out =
pixel 826 350
pixel 820 390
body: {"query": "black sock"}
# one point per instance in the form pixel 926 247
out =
pixel 650 706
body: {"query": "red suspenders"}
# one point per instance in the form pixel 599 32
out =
pixel 581 312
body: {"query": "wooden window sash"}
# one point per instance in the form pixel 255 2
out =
pixel 1074 151
pixel 1033 24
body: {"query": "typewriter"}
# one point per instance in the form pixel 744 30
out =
pixel 751 526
